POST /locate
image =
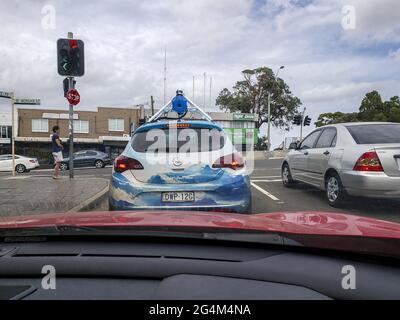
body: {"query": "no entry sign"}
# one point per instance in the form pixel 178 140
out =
pixel 73 97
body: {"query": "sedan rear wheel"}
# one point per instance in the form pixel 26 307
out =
pixel 99 164
pixel 287 179
pixel 335 192
pixel 20 168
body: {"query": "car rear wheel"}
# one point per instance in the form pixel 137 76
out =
pixel 99 164
pixel 63 166
pixel 287 179
pixel 20 168
pixel 334 190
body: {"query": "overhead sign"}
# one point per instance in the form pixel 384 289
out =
pixel 5 94
pixel 73 97
pixel 244 117
pixel 27 101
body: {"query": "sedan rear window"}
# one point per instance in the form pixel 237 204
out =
pixel 178 140
pixel 375 133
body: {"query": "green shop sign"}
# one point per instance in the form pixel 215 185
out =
pixel 244 117
pixel 242 136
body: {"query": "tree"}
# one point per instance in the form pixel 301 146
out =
pixel 250 95
pixel 337 117
pixel 372 108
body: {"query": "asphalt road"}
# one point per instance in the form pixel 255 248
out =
pixel 269 195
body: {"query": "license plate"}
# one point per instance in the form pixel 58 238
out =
pixel 177 197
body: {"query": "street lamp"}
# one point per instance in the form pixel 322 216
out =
pixel 269 107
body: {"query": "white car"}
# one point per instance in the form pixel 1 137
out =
pixel 22 164
pixel 356 159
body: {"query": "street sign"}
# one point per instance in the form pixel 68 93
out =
pixel 28 101
pixel 73 97
pixel 5 94
pixel 244 117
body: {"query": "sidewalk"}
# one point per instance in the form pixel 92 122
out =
pixel 24 195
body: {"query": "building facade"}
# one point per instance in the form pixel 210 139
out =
pixel 5 132
pixel 106 129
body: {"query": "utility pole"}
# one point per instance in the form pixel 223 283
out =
pixel 13 132
pixel 165 75
pixel 193 88
pixel 152 105
pixel 205 80
pixel 269 107
pixel 210 91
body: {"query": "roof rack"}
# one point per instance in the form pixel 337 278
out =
pixel 181 105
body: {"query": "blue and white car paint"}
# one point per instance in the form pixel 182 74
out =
pixel 215 189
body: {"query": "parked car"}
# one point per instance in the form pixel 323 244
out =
pixel 212 178
pixel 22 164
pixel 87 158
pixel 356 159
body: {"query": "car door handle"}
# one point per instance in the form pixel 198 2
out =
pixel 327 153
pixel 396 156
pixel 306 153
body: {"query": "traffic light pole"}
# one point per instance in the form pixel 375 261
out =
pixel 71 133
pixel 71 124
pixel 301 125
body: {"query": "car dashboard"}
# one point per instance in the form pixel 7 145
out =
pixel 190 270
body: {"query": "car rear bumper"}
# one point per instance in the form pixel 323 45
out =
pixel 229 193
pixel 371 184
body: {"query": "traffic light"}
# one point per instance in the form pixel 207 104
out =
pixel 297 119
pixel 307 121
pixel 70 57
pixel 66 87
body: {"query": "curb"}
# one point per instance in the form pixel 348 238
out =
pixel 91 202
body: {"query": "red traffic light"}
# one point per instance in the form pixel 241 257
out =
pixel 73 44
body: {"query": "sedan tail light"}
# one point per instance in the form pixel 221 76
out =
pixel 32 161
pixel 233 161
pixel 369 161
pixel 123 163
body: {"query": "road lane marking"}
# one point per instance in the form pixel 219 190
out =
pixel 265 177
pixel 276 158
pixel 271 196
pixel 262 180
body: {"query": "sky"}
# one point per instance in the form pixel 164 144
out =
pixel 334 51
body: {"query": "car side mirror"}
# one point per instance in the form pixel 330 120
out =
pixel 293 146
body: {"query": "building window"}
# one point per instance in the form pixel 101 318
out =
pixel 116 125
pixel 3 132
pixel 81 126
pixel 40 125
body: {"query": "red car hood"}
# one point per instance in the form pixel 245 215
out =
pixel 304 223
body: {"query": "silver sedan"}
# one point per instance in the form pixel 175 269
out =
pixel 356 159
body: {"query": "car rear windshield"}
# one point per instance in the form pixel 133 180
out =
pixel 178 140
pixel 375 133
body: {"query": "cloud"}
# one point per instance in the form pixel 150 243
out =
pixel 326 66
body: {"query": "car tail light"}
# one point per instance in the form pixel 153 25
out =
pixel 369 161
pixel 123 163
pixel 233 161
pixel 32 161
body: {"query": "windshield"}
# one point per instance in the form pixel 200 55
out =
pixel 180 140
pixel 375 133
pixel 278 117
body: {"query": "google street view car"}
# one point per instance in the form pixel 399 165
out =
pixel 173 163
